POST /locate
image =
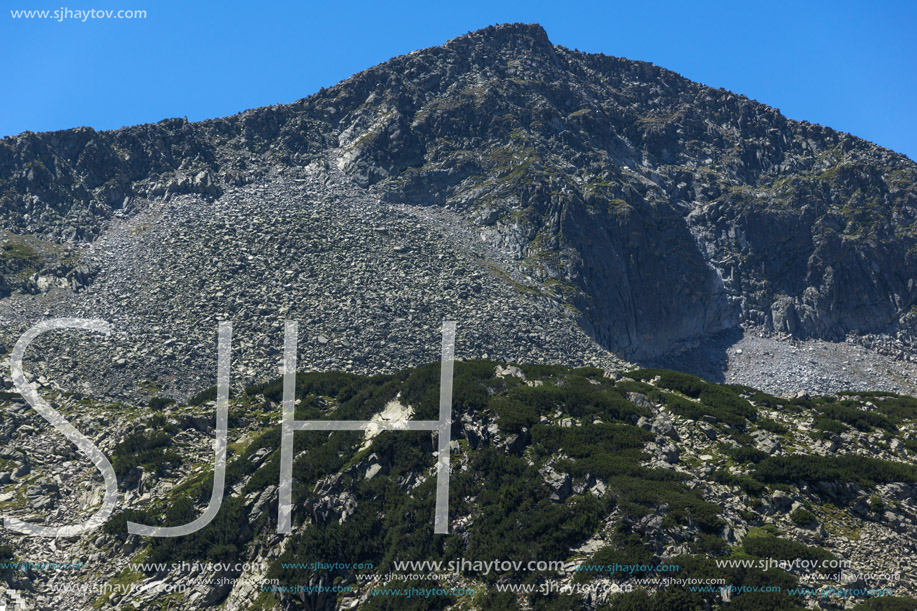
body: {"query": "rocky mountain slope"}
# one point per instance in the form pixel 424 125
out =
pixel 579 467
pixel 561 205
pixel 571 212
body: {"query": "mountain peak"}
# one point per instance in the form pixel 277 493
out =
pixel 518 36
pixel 645 202
pixel 503 31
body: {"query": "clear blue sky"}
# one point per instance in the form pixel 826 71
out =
pixel 851 65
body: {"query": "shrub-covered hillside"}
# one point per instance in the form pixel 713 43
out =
pixel 653 490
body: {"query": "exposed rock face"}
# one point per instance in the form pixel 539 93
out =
pixel 657 210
